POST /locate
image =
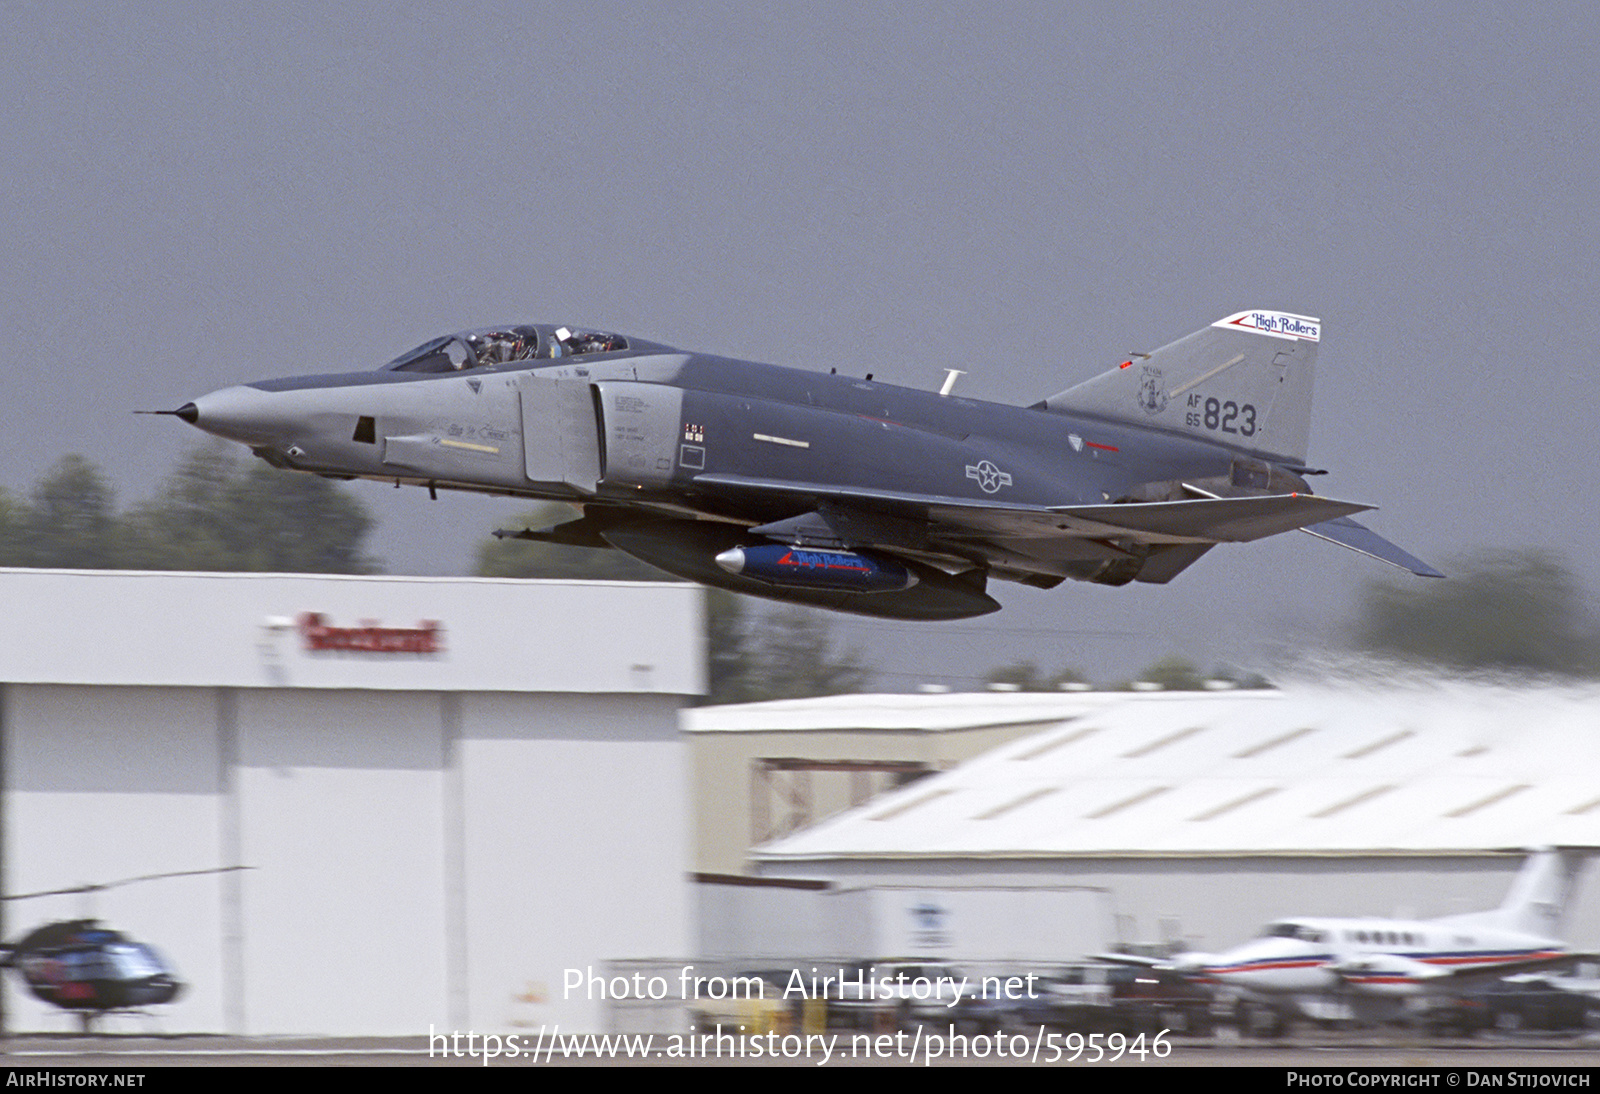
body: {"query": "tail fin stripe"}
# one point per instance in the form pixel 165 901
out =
pixel 1198 380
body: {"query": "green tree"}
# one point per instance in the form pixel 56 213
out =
pixel 728 663
pixel 1067 676
pixel 213 513
pixel 1022 675
pixel 1174 674
pixel 71 519
pixel 1508 611
pixel 1027 676
pixel 1243 679
pixel 780 653
pixel 13 530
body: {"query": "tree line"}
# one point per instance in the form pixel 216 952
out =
pixel 214 512
pixel 218 511
pixel 1516 612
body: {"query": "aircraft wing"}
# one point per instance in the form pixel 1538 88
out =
pixel 1486 973
pixel 1378 970
pixel 1137 960
pixel 1191 520
pixel 1189 964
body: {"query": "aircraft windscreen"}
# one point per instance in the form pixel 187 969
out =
pixel 1291 930
pixel 477 349
pixel 447 354
pixel 134 961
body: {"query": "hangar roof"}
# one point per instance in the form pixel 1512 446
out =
pixel 930 713
pixel 1405 769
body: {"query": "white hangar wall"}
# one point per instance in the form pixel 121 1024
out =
pixel 104 784
pixel 993 925
pixel 342 812
pixel 1211 904
pixel 433 837
pixel 601 800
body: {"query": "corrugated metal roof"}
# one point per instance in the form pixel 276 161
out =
pixel 1411 769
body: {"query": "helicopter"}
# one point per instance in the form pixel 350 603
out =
pixel 89 969
pixel 80 965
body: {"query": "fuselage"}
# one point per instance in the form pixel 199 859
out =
pixel 748 409
pixel 1378 956
pixel 695 435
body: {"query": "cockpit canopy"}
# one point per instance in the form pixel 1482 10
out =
pixel 494 346
pixel 1304 932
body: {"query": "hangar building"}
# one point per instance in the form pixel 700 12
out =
pixel 764 770
pixel 1206 814
pixel 447 792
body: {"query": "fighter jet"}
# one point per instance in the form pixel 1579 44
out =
pixel 832 490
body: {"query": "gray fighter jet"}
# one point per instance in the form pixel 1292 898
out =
pixel 830 490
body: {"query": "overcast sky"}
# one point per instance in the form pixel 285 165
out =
pixel 198 197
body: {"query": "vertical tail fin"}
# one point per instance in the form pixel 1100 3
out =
pixel 1537 898
pixel 1539 894
pixel 1245 381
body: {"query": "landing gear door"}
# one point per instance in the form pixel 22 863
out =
pixel 560 438
pixel 642 425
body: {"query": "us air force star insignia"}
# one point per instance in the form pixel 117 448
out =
pixel 990 478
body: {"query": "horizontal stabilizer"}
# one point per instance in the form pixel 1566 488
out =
pixel 1213 520
pixel 1358 537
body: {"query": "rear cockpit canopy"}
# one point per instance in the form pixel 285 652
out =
pixel 491 347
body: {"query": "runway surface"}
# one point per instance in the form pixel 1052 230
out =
pixel 1322 1050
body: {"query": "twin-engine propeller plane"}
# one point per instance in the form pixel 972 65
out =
pixel 828 490
pixel 1386 965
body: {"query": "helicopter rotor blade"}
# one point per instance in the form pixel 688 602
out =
pixel 95 887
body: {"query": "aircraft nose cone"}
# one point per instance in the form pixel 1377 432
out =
pixel 242 414
pixel 732 560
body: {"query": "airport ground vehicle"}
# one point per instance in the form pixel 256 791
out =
pixel 756 1005
pixel 1537 1002
pixel 876 994
pixel 1111 997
